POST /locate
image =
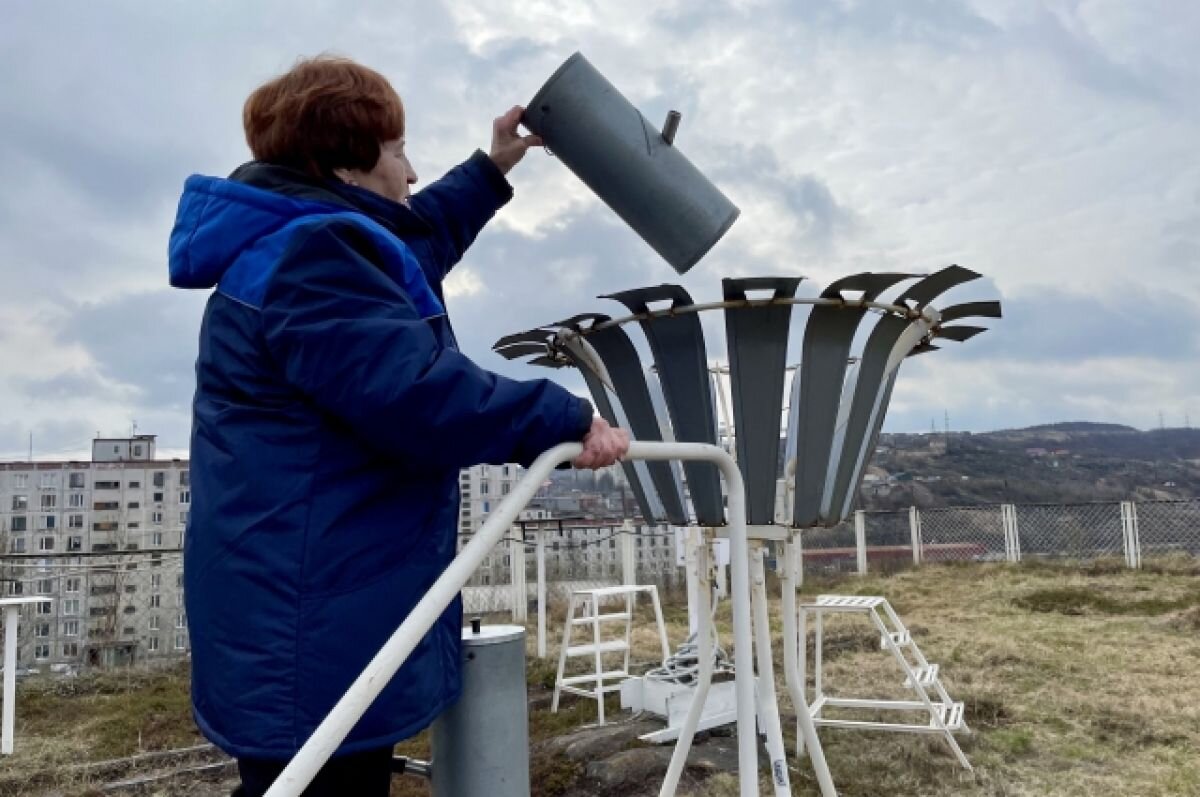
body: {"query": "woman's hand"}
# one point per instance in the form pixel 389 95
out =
pixel 602 446
pixel 509 146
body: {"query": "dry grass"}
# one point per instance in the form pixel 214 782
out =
pixel 1077 681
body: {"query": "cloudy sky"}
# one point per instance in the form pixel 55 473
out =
pixel 1050 146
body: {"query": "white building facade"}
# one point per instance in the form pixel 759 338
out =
pixel 102 539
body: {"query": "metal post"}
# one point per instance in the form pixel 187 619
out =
pixel 541 592
pixel 914 529
pixel 330 733
pixel 768 703
pixel 860 540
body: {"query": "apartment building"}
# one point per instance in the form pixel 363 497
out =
pixel 102 540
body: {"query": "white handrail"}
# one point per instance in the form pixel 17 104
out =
pixel 358 698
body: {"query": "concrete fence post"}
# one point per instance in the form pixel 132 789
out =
pixel 914 529
pixel 860 540
pixel 516 560
pixel 628 547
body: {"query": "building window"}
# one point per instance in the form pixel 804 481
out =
pixel 75 543
pixel 49 501
pixel 20 503
pixel 45 543
pixel 70 649
pixel 41 651
pixel 70 607
pixel 72 584
pixel 134 505
pixel 154 622
pixel 155 601
pixel 76 501
pixel 75 521
pixel 180 641
pixel 137 451
pixel 156 518
pixel 156 538
pixel 158 497
pixel 15 588
pixel 75 481
pixel 183 518
pixel 45 608
pixel 160 478
pixel 49 521
pixel 21 481
pixel 18 544
pixel 156 581
pixel 109 485
pixel 71 628
pixel 185 496
pixel 483 488
pixel 185 478
pixel 41 630
pixel 181 621
pixel 20 523
pixel 102 506
pixel 152 644
pixel 45 586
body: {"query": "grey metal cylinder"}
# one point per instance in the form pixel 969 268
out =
pixel 625 160
pixel 481 744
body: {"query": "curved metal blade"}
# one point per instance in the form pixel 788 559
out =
pixel 517 350
pixel 971 310
pixel 677 343
pixel 757 341
pixel 960 333
pixel 933 286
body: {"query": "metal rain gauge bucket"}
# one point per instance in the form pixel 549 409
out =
pixel 633 167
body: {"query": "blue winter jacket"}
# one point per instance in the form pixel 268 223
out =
pixel 332 414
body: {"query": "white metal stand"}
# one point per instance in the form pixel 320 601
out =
pixel 383 666
pixel 590 600
pixel 944 716
pixel 12 616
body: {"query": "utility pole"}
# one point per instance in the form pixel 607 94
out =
pixel 947 421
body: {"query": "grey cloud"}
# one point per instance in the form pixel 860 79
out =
pixel 146 341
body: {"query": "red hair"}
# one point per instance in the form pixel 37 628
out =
pixel 323 114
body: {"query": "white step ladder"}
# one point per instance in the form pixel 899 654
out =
pixel 945 715
pixel 602 681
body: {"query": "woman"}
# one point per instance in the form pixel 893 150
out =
pixel 332 414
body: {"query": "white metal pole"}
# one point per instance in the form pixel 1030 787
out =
pixel 768 701
pixel 330 733
pixel 794 653
pixel 11 615
pixel 704 641
pixel 541 592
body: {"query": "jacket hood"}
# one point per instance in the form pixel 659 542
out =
pixel 218 219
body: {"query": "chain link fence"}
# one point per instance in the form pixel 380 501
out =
pixel 1168 527
pixel 962 533
pixel 1070 531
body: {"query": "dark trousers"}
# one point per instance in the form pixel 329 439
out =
pixel 367 774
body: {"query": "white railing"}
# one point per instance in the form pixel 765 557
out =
pixel 350 708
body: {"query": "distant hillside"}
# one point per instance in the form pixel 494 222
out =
pixel 1061 462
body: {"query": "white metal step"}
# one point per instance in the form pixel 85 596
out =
pixel 591 677
pixel 925 676
pixel 846 603
pixel 604 618
pixel 899 637
pixel 614 646
pixel 953 719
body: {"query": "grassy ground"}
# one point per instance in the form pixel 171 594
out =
pixel 1077 681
